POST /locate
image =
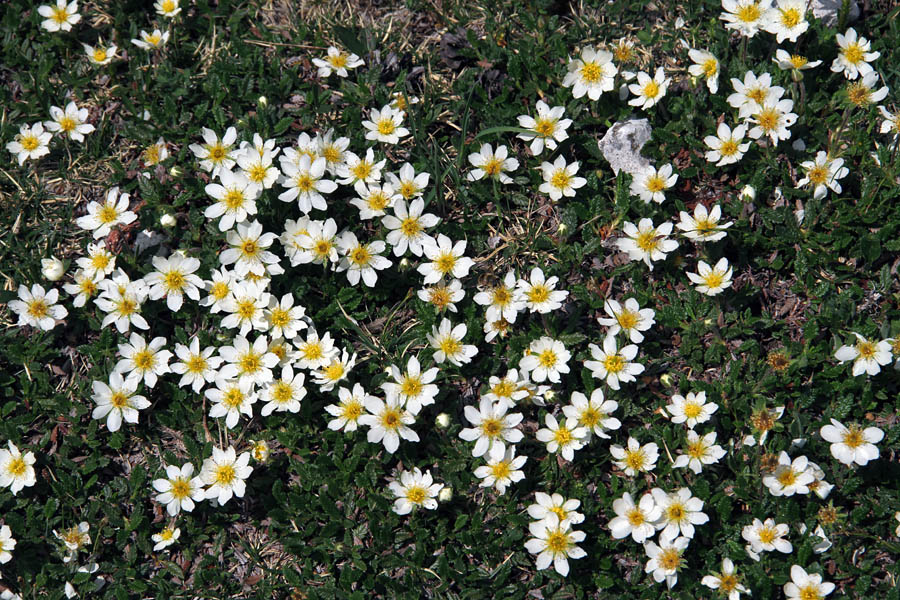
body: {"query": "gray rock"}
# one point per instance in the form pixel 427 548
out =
pixel 621 146
pixel 828 11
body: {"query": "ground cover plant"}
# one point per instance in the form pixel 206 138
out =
pixel 345 300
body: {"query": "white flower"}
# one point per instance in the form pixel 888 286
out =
pixel 31 142
pixel 249 251
pixel 84 287
pixel 74 538
pixel 165 538
pixel 503 300
pixel 224 473
pixel 773 119
pixel 335 371
pixel 101 218
pixel 331 150
pixel 703 226
pixel 179 490
pixel 319 244
pixel 855 55
pixel 492 427
pixel 235 199
pixel 407 183
pixel 629 319
pixel 796 62
pixel 594 415
pixel 492 163
pixel 388 421
pixel 891 123
pixel 217 155
pixel 447 342
pixel 564 437
pixel 446 258
pixel 651 184
pixel 592 73
pixel 337 61
pixel 646 242
pixel 852 444
pixel 167 8
pixel 868 356
pixel 803 585
pixel 230 399
pixel 680 512
pixel 283 394
pixel 305 183
pixel 637 520
pixel 250 363
pixel 173 278
pixel 315 352
pixel 612 363
pixel 37 307
pixel 786 20
pixel 414 388
pixel 560 179
pixel 385 125
pixel 726 147
pixel 648 91
pixel 245 305
pixel 59 17
pixel 554 542
pixel 503 468
pixel 505 390
pixel 545 359
pixel 117 401
pixel 407 226
pixel 539 293
pixel 355 169
pixel 415 489
pixel 7 544
pixel 707 66
pixel 789 477
pixel 766 537
pixel 373 199
pixel 751 93
pixel 546 505
pixel 443 296
pixel 255 162
pixel 149 41
pixel 121 299
pixel 283 318
pixel 666 558
pixel 548 127
pixel 635 458
pixel 143 361
pixel 745 16
pixel 348 410
pixel 691 410
pixel 863 93
pixel 819 486
pixel 52 268
pixel 712 281
pixel 16 469
pixel 99 261
pixel 361 261
pixel 494 328
pixel 726 582
pixel 699 451
pixel 823 173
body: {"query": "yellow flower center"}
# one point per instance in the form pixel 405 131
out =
pixel 126 307
pixel 501 470
pixel 16 467
pixel 560 179
pixel 196 364
pixel 798 61
pixel 408 189
pixel 219 290
pixel 655 183
pixel 538 294
pixel 29 142
pixel 331 154
pixel 728 148
pixel 790 17
pixel 635 517
pixel 853 54
pixel 713 280
pixel 391 418
pixel 710 67
pixel 233 199
pixel 697 449
pixel 757 94
pixel 144 360
pixel 60 15
pixel 818 175
pixel 107 214
pixel 692 410
pixel 614 363
pixel 563 436
pixel 440 297
pixel 547 358
pixel 854 438
pixel 166 534
pixel 749 13
pixel 450 346
pixel 312 351
pixel 250 363
pixel 352 410
pixel 504 389
pixel 38 308
pixel 415 494
pixel 322 249
pixel 360 256
pixel 217 153
pixel 767 535
pixel 768 119
pixel 167 5
pixel 787 477
pixel 675 512
pixel 669 559
pixel 704 226
pixel 225 475
pixel 362 170
pixel 118 400
pixel 174 280
pixel 559 511
pixel 87 287
pixel 250 249
pixel 282 393
pixel 377 201
pixel 635 459
pixel 651 89
pixel 622 52
pixel 338 61
pixel 810 592
pixel 445 263
pixel 545 127
pixel 334 371
pixel 590 417
pixel 492 167
pixel 858 93
pixel 386 126
pixel 410 227
pixel 153 39
pixel 866 349
pixel 647 240
pixel 257 173
pixel 557 542
pixel 591 72
pixel 181 488
pixel 279 317
pixel 233 398
pixel 491 427
pixel 246 309
pixel 304 182
pixel 627 319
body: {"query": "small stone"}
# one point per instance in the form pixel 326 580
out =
pixel 621 146
pixel 828 11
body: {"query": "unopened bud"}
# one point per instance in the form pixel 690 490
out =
pixel 168 220
pixel 667 380
pixel 446 494
pixel 260 451
pixel 748 193
pixel 175 171
pixel 262 101
pixel 442 420
pixel 52 268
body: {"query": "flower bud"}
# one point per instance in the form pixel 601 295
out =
pixel 52 268
pixel 442 420
pixel 175 171
pixel 262 101
pixel 445 494
pixel 260 451
pixel 666 379
pixel 748 193
pixel 168 220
